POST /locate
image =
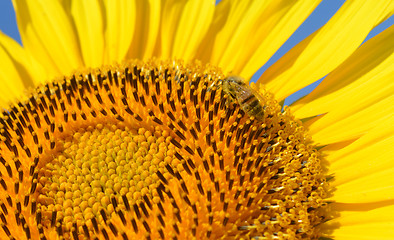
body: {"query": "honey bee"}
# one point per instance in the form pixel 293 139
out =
pixel 248 99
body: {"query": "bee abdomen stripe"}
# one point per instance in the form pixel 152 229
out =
pixel 255 104
pixel 251 96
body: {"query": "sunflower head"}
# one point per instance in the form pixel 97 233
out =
pixel 117 148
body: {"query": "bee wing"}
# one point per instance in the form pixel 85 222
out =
pixel 256 92
pixel 245 91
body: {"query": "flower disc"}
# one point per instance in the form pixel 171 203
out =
pixel 155 150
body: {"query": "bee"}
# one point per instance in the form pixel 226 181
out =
pixel 248 99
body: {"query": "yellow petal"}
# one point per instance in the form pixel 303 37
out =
pixel 372 221
pixel 339 125
pixel 245 34
pixel 89 23
pixel 172 11
pixel 29 71
pixel 183 27
pixel 11 83
pixel 48 35
pixel 363 169
pixel 324 50
pixel 18 71
pixel 232 23
pixel 379 133
pixel 271 35
pixel 146 30
pixel 119 29
pixel 372 187
pixel 365 77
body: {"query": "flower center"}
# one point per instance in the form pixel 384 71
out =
pixel 157 150
pixel 97 169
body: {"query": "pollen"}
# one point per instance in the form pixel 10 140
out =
pixel 155 150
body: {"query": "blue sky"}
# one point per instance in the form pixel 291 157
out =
pixel 321 15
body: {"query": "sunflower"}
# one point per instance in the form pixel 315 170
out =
pixel 132 120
